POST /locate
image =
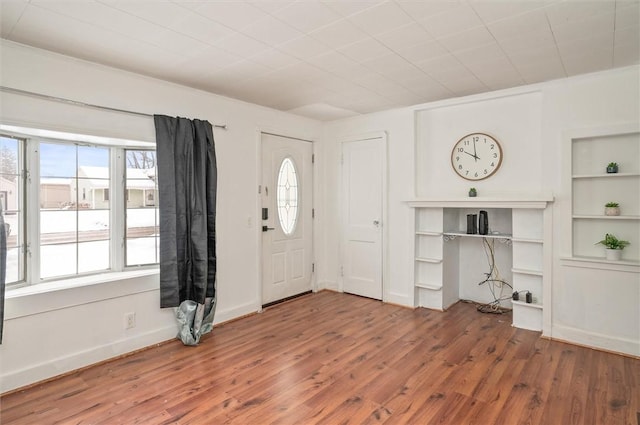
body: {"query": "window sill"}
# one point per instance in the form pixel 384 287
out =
pixel 60 294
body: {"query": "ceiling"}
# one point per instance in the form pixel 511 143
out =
pixel 338 58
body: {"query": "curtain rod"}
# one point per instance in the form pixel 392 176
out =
pixel 86 105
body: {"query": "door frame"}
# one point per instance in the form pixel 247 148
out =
pixel 384 237
pixel 257 217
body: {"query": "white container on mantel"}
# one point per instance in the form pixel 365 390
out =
pixel 613 254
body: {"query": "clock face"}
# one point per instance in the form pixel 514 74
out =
pixel 476 156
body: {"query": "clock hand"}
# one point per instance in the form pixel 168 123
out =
pixel 472 155
pixel 475 154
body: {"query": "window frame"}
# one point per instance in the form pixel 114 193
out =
pixel 31 217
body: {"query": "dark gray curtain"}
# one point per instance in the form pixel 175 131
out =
pixel 3 268
pixel 187 180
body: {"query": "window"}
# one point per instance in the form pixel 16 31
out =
pixel 74 239
pixel 287 196
pixel 142 220
pixel 12 190
pixel 79 208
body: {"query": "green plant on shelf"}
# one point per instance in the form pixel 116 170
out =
pixel 612 204
pixel 612 242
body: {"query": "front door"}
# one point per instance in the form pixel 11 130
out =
pixel 286 217
pixel 362 206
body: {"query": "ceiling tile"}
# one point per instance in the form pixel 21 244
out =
pixel 333 62
pixel 272 31
pixel 404 36
pixel 364 50
pixel 492 11
pixel 241 45
pixel 160 13
pixel 307 16
pixel 233 14
pixel 584 28
pixel 270 6
pixel 419 10
pixel 536 56
pixel 542 71
pixel 474 37
pixel 201 28
pixel 524 23
pixel 274 58
pixel 566 12
pixel 587 55
pixel 304 47
pixel 485 52
pixel 526 41
pixel 443 67
pixel 380 18
pixel 385 63
pixel 464 86
pixel 10 12
pixel 451 21
pixel 346 8
pixel 422 51
pixel 339 34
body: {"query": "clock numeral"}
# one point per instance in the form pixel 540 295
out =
pixel 460 149
pixel 466 142
pixel 460 167
pixel 457 158
pixel 495 155
pixel 492 146
pixel 467 173
pixel 475 139
pixel 493 164
pixel 485 171
pixel 476 175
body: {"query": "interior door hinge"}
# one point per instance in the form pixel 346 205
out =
pixel 313 267
pixel 341 270
pixel 259 188
pixel 313 158
pixel 313 213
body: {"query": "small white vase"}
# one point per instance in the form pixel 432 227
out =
pixel 611 210
pixel 613 254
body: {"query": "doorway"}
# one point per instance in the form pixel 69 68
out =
pixel 287 208
pixel 363 187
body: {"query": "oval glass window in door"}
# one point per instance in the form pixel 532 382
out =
pixel 287 196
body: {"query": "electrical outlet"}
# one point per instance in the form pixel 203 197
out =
pixel 129 320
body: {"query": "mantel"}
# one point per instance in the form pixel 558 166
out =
pixel 528 202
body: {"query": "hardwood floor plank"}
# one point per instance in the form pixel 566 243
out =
pixel 330 358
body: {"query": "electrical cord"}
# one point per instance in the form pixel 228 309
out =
pixel 494 282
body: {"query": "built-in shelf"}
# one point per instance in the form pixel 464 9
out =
pixel 426 233
pixel 429 260
pixel 524 304
pixel 427 286
pixel 527 271
pixel 527 240
pixel 607 217
pixel 605 175
pixel 475 235
pixel 600 262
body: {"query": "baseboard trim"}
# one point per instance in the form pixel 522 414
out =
pixel 617 345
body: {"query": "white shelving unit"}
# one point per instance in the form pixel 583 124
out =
pixel 592 187
pixel 521 225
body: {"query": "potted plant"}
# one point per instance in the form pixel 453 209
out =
pixel 614 246
pixel 472 192
pixel 612 167
pixel 611 208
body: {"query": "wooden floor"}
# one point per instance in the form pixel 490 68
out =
pixel 331 358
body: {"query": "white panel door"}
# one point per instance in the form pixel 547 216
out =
pixel 287 229
pixel 362 186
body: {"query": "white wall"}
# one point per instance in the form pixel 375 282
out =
pixel 66 329
pixel 532 123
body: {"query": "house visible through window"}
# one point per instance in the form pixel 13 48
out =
pixel 105 194
pixel 142 221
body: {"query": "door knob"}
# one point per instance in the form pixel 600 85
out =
pixel 376 223
pixel 266 229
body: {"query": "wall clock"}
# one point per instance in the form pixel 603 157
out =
pixel 476 156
